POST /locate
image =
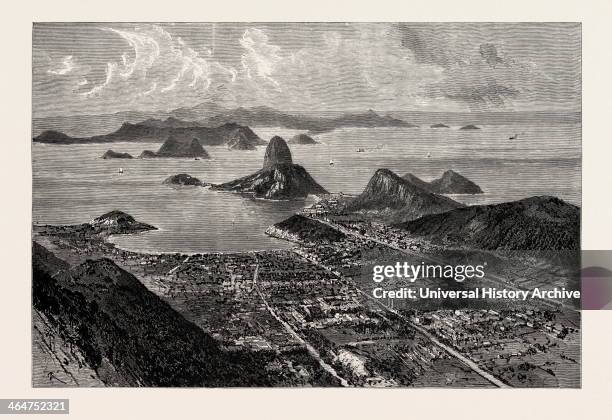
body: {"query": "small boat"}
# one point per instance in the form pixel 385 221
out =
pixel 197 158
pixel 120 171
pixel 514 137
pixel 428 154
pixel 361 149
pixel 331 162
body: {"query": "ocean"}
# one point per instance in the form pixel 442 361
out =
pixel 72 184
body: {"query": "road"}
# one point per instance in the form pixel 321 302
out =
pixel 472 365
pixel 313 352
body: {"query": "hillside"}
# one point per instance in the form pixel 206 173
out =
pixel 298 228
pixel 536 223
pixel 130 336
pixel 450 182
pixel 394 199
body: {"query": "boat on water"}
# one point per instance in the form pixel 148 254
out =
pixel 331 162
pixel 120 171
pixel 360 150
pixel 428 155
pixel 514 137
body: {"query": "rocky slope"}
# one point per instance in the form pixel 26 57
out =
pixel 279 179
pixel 176 148
pixel 131 337
pixel 394 199
pixel 450 182
pixel 453 183
pixel 536 223
pixel 277 153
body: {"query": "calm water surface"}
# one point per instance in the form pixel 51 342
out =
pixel 71 184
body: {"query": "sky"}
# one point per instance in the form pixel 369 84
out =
pixel 99 68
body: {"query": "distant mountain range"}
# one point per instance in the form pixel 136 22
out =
pixel 394 199
pixel 279 179
pixel 233 135
pixel 449 183
pixel 204 115
pixel 535 223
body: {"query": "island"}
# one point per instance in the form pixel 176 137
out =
pixel 178 148
pixel 111 154
pixel 302 139
pixel 279 179
pixel 184 179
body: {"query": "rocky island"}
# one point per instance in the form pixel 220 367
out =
pixel 470 127
pixel 279 179
pixel 184 179
pixel 176 148
pixel 302 139
pixel 111 154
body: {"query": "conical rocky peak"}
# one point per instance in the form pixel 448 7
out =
pixel 277 153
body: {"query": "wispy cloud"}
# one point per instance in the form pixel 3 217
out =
pixel 66 66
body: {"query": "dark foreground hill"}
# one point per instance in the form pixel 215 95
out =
pixel 394 199
pixel 128 335
pixel 279 179
pixel 298 228
pixel 536 223
pixel 450 182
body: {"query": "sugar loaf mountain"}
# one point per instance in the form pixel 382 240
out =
pixel 279 179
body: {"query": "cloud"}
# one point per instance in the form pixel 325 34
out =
pixel 261 57
pixel 155 69
pixel 65 67
pixel 111 68
pixel 336 67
